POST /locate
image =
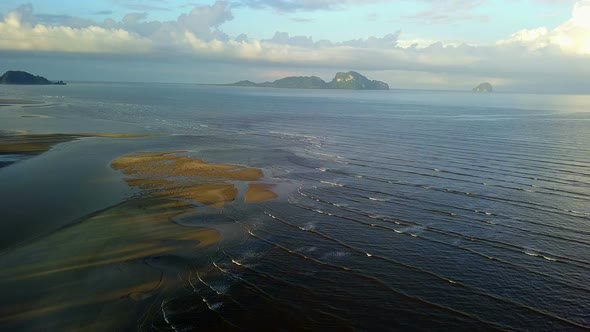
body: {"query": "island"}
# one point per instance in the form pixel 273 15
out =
pixel 348 81
pixel 484 87
pixel 24 78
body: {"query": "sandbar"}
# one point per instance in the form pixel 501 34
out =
pixel 158 164
pixel 10 102
pixel 38 143
pixel 259 192
pixel 106 269
pixel 167 174
pixel 100 263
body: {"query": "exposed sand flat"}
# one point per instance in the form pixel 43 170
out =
pixel 215 195
pixel 166 174
pixel 259 192
pixel 31 143
pixel 114 135
pixel 132 230
pixel 157 164
pixel 37 143
pixel 120 262
pixel 67 276
pixel 9 102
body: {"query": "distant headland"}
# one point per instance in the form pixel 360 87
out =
pixel 347 81
pixel 484 87
pixel 24 78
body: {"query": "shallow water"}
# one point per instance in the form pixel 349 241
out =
pixel 415 210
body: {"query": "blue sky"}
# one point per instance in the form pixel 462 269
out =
pixel 425 43
pixel 487 22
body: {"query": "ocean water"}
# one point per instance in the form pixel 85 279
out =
pixel 398 210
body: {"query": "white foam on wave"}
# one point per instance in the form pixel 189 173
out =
pixel 220 268
pixel 322 169
pixel 534 254
pixel 332 183
pixel 368 255
pixel 323 212
pixel 236 262
pixel 307 227
pixel 335 254
pixel 377 199
pixel 270 215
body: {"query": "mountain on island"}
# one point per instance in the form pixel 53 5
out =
pixel 484 87
pixel 347 81
pixel 24 78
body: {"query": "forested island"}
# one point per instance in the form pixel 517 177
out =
pixel 348 81
pixel 24 78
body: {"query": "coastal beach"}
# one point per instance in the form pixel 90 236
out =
pixel 330 210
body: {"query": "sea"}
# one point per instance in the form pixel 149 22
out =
pixel 405 210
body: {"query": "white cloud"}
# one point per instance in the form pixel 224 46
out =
pixel 535 55
pixel 18 35
pixel 571 37
pixel 306 5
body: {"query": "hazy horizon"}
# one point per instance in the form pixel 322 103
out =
pixel 527 46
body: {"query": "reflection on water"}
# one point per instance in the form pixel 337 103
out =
pixel 406 210
pixel 99 261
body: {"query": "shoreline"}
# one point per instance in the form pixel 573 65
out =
pixel 18 102
pixel 126 256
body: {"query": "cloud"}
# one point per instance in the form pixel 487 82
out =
pixel 160 5
pixel 304 5
pixel 444 12
pixel 301 20
pixel 534 55
pixel 17 35
pixel 104 12
pixel 571 37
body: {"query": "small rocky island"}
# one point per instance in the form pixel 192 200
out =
pixel 347 81
pixel 24 78
pixel 484 87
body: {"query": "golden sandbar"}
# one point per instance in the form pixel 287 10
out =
pixel 259 192
pixel 167 174
pixel 37 143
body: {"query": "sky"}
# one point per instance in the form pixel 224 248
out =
pixel 517 45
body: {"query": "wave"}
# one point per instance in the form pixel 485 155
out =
pixel 332 183
pixel 534 254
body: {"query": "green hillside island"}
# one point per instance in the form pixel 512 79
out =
pixel 24 78
pixel 346 81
